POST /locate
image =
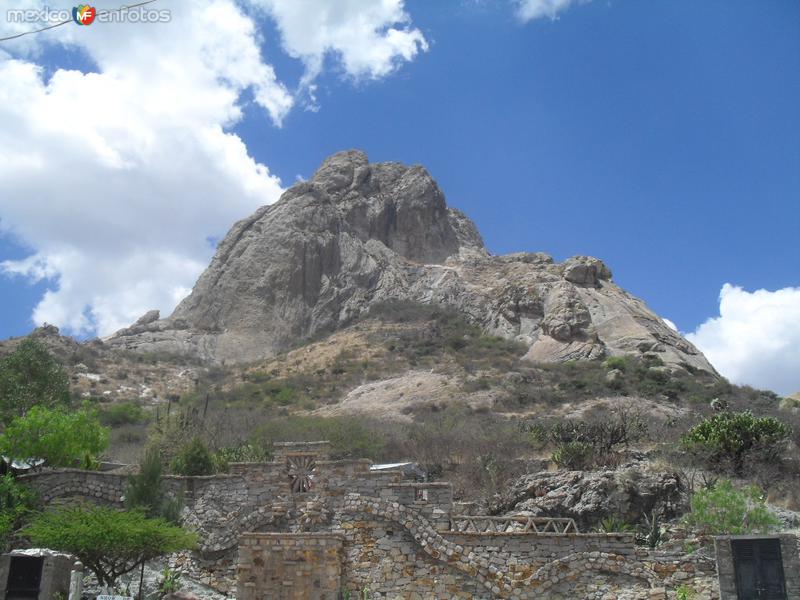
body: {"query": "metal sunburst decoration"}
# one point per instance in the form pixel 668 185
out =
pixel 301 470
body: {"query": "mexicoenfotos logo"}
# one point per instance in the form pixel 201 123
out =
pixel 83 14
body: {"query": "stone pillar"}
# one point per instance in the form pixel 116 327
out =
pixel 76 582
pixel 55 575
pixel 284 566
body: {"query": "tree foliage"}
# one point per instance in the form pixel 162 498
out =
pixel 16 503
pixel 194 458
pixel 728 439
pixel 30 376
pixel 109 542
pixel 60 438
pixel 724 510
pixel 145 490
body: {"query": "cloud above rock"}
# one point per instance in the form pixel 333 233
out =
pixel 755 340
pixel 115 176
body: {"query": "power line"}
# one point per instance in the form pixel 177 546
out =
pixel 105 12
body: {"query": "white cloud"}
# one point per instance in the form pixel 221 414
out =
pixel 756 338
pixel 670 324
pixel 117 178
pixel 528 10
pixel 370 37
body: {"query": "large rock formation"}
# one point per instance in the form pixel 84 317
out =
pixel 358 233
pixel 589 497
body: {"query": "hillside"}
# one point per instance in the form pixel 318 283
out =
pixel 361 307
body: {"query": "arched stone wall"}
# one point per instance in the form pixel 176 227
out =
pixel 479 567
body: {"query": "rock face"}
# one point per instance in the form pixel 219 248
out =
pixel 359 233
pixel 589 497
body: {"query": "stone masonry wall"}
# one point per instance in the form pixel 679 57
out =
pixel 290 566
pixel 392 537
pixel 521 554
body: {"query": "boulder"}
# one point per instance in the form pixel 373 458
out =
pixel 589 497
pixel 586 270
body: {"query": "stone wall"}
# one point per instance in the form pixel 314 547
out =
pixel 606 571
pixel 697 572
pixel 289 566
pixel 264 525
pixel 522 554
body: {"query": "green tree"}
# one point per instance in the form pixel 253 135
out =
pixel 728 439
pixel 60 438
pixel 109 542
pixel 16 503
pixel 30 376
pixel 724 510
pixel 194 458
pixel 145 490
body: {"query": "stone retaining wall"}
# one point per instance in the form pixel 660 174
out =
pixel 391 536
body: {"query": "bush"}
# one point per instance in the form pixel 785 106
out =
pixel 604 434
pixel 124 413
pixel 616 362
pixel 145 490
pixel 243 453
pixel 574 456
pixel 724 510
pixel 725 441
pixel 349 436
pixel 613 524
pixel 16 503
pixel 193 458
pixel 61 438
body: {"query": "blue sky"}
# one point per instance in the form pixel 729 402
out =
pixel 662 137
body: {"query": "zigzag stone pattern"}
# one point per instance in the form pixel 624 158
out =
pixel 566 569
pixel 376 530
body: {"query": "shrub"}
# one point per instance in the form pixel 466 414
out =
pixel 124 413
pixel 350 437
pixel 651 532
pixel 604 434
pixel 574 456
pixel 194 458
pixel 246 453
pixel 145 490
pixel 616 362
pixel 16 503
pixel 724 510
pixel 614 524
pixel 726 440
pixel 60 438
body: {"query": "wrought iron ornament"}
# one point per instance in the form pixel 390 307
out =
pixel 301 470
